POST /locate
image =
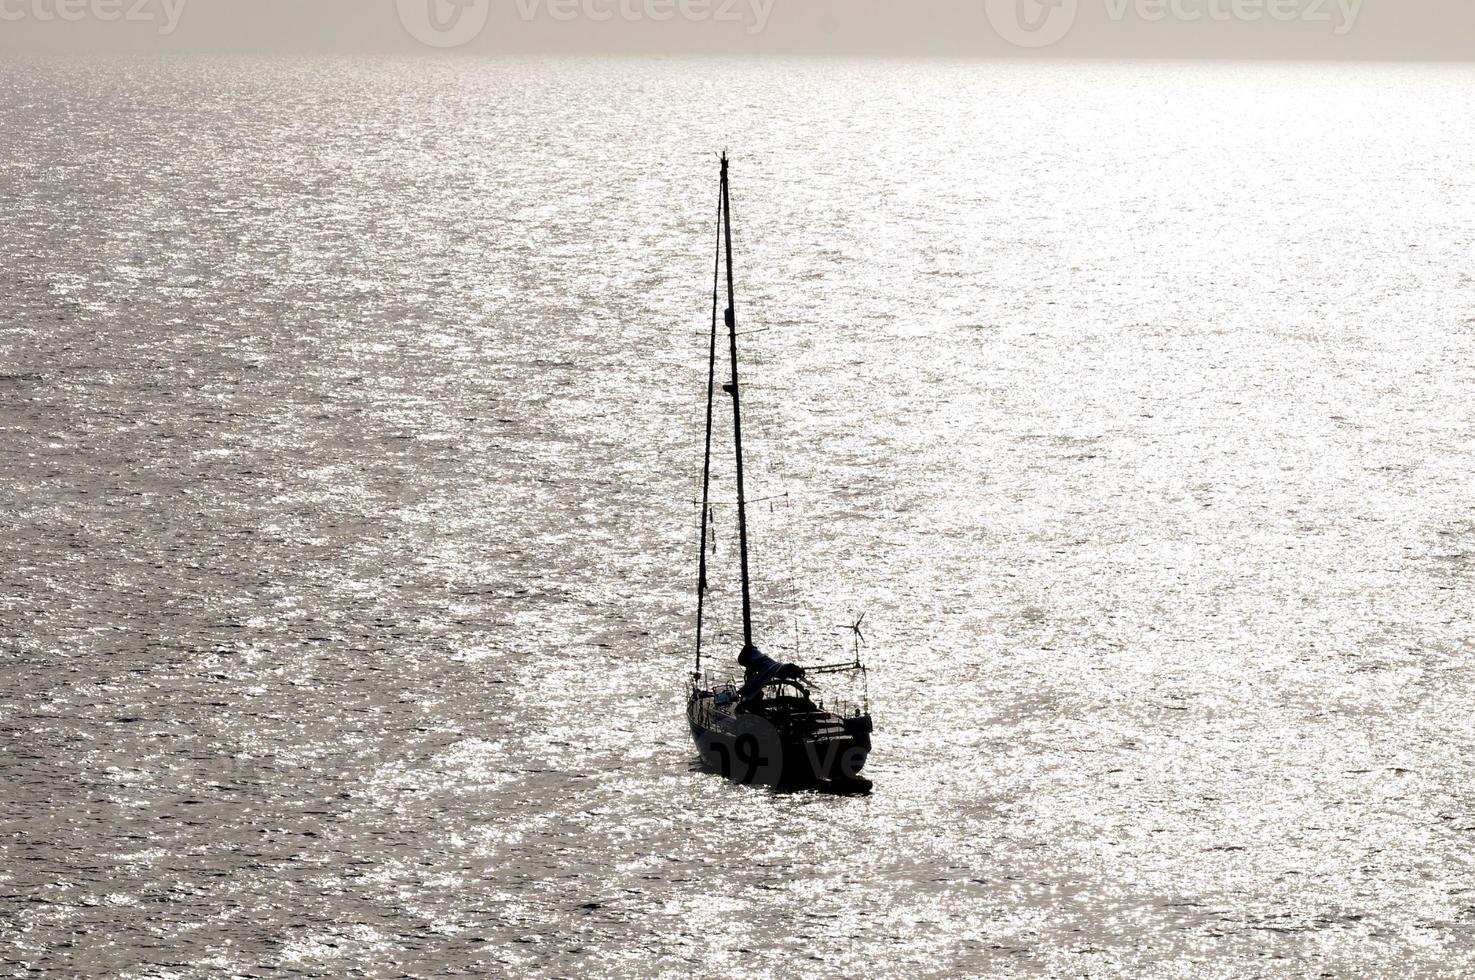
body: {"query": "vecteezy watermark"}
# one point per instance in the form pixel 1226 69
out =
pixel 1032 23
pixel 753 14
pixel 165 13
pixel 453 23
pixel 1039 23
pixel 444 23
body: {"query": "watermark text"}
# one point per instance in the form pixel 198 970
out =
pixel 164 13
pixel 452 23
pixel 1040 23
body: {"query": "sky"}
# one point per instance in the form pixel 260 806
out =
pixel 1337 29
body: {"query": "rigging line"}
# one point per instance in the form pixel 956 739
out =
pixel 735 389
pixel 765 452
pixel 707 456
pixel 783 589
pixel 793 585
pixel 759 500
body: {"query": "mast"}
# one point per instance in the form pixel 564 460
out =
pixel 737 412
pixel 707 458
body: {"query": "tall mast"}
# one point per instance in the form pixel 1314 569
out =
pixel 707 458
pixel 737 413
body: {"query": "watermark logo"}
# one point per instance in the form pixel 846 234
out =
pixel 749 750
pixel 453 23
pixel 163 13
pixel 1039 23
pixel 753 14
pixel 444 23
pixel 1032 23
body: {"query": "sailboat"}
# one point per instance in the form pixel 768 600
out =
pixel 768 725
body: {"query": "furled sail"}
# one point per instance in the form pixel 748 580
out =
pixel 763 670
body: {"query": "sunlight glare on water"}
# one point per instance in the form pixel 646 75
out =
pixel 351 414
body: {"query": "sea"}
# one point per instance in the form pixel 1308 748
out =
pixel 351 436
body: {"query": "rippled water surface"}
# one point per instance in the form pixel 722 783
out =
pixel 349 430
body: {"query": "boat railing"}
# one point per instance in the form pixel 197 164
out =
pixel 723 690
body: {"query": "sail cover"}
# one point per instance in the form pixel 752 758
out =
pixel 763 670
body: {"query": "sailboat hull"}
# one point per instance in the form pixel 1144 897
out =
pixel 784 743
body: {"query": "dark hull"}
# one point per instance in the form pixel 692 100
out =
pixel 779 749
